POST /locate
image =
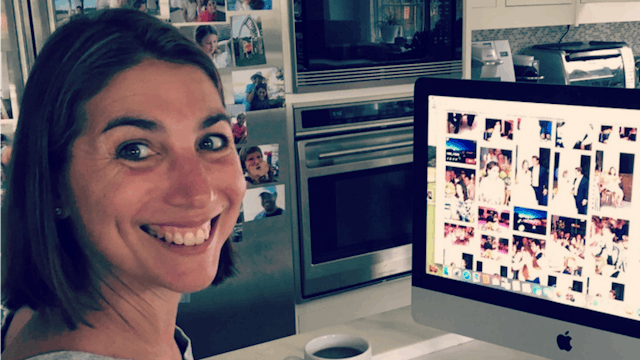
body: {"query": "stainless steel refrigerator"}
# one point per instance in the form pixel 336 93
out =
pixel 256 305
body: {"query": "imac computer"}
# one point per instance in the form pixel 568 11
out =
pixel 527 216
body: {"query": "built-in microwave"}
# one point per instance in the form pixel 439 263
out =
pixel 338 44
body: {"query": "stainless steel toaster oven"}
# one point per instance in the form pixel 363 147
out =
pixel 596 63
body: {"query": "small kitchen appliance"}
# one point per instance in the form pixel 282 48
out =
pixel 596 63
pixel 492 60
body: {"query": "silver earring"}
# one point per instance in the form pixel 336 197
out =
pixel 58 212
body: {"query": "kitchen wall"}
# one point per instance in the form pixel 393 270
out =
pixel 521 38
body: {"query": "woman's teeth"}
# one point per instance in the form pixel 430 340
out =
pixel 179 236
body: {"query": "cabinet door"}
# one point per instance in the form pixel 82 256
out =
pixel 605 1
pixel 562 12
pixel 483 3
pixel 602 11
pixel 537 2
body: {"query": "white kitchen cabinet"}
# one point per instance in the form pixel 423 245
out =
pixel 605 1
pixel 537 2
pixel 603 11
pixel 483 3
pixel 520 13
pixel 504 14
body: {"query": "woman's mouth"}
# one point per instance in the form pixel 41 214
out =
pixel 181 235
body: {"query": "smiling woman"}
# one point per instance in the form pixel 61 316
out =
pixel 132 190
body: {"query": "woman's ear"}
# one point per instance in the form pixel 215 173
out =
pixel 62 198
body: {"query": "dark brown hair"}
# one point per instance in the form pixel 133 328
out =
pixel 49 265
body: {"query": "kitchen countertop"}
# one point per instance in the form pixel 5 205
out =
pixel 392 335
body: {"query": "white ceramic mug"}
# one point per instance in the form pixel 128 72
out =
pixel 340 346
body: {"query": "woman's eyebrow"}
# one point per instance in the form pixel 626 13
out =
pixel 129 121
pixel 149 125
pixel 210 121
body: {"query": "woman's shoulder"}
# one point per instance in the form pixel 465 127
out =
pixel 70 355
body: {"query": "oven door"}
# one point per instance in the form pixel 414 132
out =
pixel 355 208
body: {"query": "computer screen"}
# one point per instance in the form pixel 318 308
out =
pixel 526 219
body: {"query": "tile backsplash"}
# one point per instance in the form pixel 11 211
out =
pixel 521 38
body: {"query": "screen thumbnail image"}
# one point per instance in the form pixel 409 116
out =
pixel 494 248
pixel 567 290
pixel 527 128
pixel 528 262
pixel 532 176
pixel 614 179
pixel 606 289
pixel 498 130
pixel 458 235
pixel 491 219
pixel 462 124
pixel 575 135
pixel 616 135
pixel 458 258
pixel 566 248
pixel 571 182
pixel 530 220
pixel 608 247
pixel 494 186
pixel 459 194
pixel 461 151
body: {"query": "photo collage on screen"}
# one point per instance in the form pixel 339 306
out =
pixel 540 206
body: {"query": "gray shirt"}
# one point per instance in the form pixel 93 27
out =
pixel 181 339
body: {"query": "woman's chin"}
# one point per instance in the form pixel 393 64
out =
pixel 194 285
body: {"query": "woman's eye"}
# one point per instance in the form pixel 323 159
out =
pixel 213 142
pixel 133 152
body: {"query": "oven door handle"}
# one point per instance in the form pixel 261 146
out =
pixel 365 149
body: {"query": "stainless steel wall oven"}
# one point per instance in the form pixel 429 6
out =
pixel 354 173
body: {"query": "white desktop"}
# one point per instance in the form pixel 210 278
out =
pixel 526 226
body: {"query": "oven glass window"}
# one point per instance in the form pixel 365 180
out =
pixel 360 212
pixel 607 72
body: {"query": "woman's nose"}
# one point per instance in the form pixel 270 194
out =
pixel 189 185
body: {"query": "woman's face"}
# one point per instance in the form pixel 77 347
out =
pixel 525 165
pixel 211 7
pixel 612 171
pixel 209 44
pixel 157 159
pixel 262 94
pixel 494 172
